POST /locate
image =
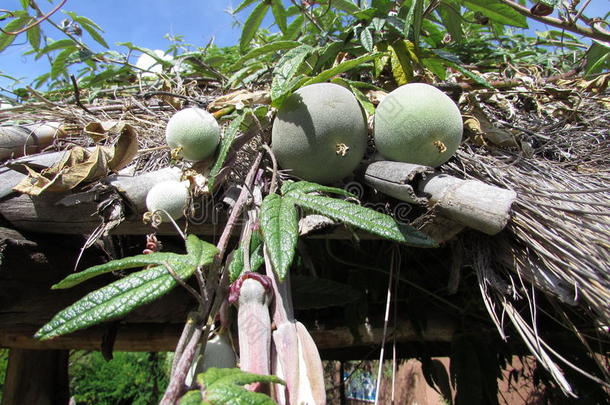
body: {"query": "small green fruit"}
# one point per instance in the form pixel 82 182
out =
pixel 171 196
pixel 417 123
pixel 194 130
pixel 320 133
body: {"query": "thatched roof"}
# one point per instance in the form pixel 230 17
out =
pixel 549 143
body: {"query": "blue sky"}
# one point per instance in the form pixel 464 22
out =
pixel 145 22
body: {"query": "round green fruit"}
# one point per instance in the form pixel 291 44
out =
pixel 170 196
pixel 417 123
pixel 195 131
pixel 320 133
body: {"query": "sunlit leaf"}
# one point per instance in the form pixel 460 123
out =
pixel 305 187
pixel 252 24
pixel 34 35
pixel 13 25
pixel 265 49
pixel 361 217
pixel 366 39
pixel 280 228
pixel 342 68
pixel 449 11
pixel 498 11
pixel 279 13
pixel 55 45
pixel 345 5
pixel 225 146
pixel 243 5
pixel 294 28
pixel 285 78
pixel 58 66
pixel 225 385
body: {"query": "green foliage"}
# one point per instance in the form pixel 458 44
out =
pixel 129 378
pixel 124 295
pixel 279 220
pixel 225 386
pixel 280 227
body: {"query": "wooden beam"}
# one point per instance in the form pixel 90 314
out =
pixel 36 377
pixel 155 337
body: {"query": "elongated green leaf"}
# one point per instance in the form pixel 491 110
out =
pixel 13 25
pixel 265 49
pixel 225 146
pixel 225 385
pixel 97 37
pixel 236 265
pixel 114 300
pixel 476 77
pixel 253 22
pixel 498 11
pixel 280 227
pixel 199 253
pixel 294 28
pixel 243 5
pixel 83 20
pixel 59 63
pixel 596 56
pixel 342 68
pixel 304 187
pixel 365 103
pixel 402 68
pixel 345 5
pixel 364 218
pixel 55 45
pixel 192 397
pixel 33 35
pixel 285 74
pixel 449 11
pixel 366 39
pixel 279 13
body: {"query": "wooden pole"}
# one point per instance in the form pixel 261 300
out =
pixel 36 377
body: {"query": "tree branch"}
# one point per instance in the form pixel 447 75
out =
pixel 594 33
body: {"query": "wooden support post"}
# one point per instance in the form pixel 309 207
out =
pixel 37 377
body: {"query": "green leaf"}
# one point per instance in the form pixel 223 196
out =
pixel 342 68
pixel 305 187
pixel 243 5
pixel 95 35
pixel 58 66
pixel 114 300
pixel 225 146
pixel 55 45
pixel 498 11
pixel 413 21
pixel 225 386
pixel 279 13
pixel 596 57
pixel 449 11
pixel 436 66
pixel 236 266
pixel 476 77
pixel 265 49
pixel 252 24
pixel 294 28
pixel 364 218
pixel 192 397
pixel 280 227
pixel 345 5
pixel 199 253
pixel 285 77
pixel 33 35
pixel 13 25
pixel 366 39
pixel 402 68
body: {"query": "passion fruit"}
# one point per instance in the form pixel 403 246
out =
pixel 417 123
pixel 195 131
pixel 320 133
pixel 170 196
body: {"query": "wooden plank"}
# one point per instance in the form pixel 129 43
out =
pixel 164 336
pixel 36 377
